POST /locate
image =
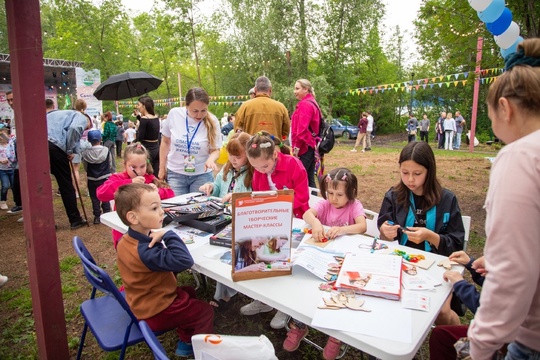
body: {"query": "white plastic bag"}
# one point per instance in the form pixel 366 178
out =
pixel 476 142
pixel 227 347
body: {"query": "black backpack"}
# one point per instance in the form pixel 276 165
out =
pixel 326 135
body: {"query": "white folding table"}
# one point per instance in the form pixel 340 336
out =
pixel 299 295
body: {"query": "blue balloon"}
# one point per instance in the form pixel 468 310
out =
pixel 492 12
pixel 512 49
pixel 501 24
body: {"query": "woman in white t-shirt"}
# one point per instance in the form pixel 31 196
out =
pixel 190 144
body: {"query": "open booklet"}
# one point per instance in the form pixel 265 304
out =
pixel 371 274
pixel 321 262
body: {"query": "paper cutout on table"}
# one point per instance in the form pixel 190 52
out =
pixel 447 263
pixel 340 300
pixel 387 320
pixel 418 282
pixel 423 264
pixel 415 300
pixel 310 241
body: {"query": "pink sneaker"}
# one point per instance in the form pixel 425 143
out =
pixel 294 338
pixel 331 349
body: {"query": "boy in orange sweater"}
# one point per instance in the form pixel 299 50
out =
pixel 147 269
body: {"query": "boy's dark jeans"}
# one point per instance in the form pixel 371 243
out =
pixel 106 205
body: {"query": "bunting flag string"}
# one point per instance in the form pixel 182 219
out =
pixel 459 79
pixel 214 100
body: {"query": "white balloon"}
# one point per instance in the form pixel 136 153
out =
pixel 509 37
pixel 480 5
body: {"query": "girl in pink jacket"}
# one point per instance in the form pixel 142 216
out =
pixel 137 169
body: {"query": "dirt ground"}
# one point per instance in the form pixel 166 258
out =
pixel 377 171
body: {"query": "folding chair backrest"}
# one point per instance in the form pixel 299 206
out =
pixel 467 226
pixel 314 196
pixel 98 278
pixel 371 222
pixel 153 342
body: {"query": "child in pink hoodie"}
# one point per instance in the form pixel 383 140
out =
pixel 137 169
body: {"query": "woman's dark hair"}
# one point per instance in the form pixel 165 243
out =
pixel 246 253
pixel 236 147
pixel 199 94
pixel 333 178
pixel 421 153
pixel 264 144
pixel 148 104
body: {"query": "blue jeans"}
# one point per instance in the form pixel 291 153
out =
pixel 185 184
pixel 457 140
pixel 6 177
pixel 517 351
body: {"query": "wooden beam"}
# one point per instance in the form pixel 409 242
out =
pixel 24 33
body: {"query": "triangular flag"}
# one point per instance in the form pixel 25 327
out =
pixel 463 82
pixel 456 82
pixel 448 77
pixel 447 84
pixel 456 76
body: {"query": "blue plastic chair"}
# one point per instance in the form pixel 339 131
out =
pixel 152 341
pixel 109 317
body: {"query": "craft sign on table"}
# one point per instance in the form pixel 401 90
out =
pixel 261 239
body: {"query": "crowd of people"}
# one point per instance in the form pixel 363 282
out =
pixel 178 156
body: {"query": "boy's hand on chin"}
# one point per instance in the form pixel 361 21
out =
pixel 156 236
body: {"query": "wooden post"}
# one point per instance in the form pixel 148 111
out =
pixel 476 90
pixel 26 54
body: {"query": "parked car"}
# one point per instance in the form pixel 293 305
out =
pixel 344 129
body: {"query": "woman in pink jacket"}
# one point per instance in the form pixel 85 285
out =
pixel 305 127
pixel 137 169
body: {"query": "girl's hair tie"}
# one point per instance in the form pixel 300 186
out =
pixel 281 145
pixel 265 145
pixel 139 146
pixel 328 178
pixel 254 146
pixel 344 177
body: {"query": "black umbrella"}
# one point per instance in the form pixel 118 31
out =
pixel 127 85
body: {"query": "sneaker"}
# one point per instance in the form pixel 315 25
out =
pixel 78 224
pixel 97 221
pixel 15 210
pixel 294 338
pixel 3 205
pixel 332 349
pixel 21 219
pixel 184 349
pixel 3 280
pixel 279 320
pixel 254 308
pixel 353 150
